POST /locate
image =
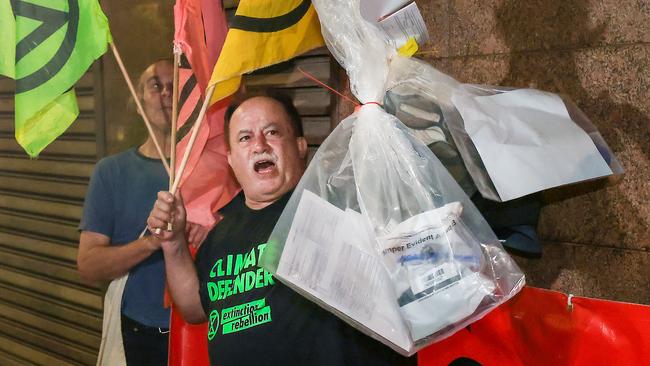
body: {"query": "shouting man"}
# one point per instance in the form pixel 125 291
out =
pixel 267 151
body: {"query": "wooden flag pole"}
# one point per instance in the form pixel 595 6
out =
pixel 172 154
pixel 139 105
pixel 190 143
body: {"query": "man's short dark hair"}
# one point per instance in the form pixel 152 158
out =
pixel 282 98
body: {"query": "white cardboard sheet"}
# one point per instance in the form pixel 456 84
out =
pixel 528 142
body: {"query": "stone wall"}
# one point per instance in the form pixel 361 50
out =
pixel 596 235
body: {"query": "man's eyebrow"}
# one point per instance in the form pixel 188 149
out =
pixel 270 124
pixel 154 78
pixel 243 131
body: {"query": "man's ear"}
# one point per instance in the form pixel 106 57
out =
pixel 302 147
pixel 228 156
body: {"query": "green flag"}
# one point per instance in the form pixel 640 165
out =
pixel 55 42
pixel 7 39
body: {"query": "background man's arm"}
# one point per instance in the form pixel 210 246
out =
pixel 99 261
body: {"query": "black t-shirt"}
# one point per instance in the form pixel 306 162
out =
pixel 254 319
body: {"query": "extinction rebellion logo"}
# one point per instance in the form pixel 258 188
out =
pixel 51 20
pixel 213 324
pixel 245 316
pixel 239 317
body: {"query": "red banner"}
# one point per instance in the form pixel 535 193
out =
pixel 541 327
pixel 537 327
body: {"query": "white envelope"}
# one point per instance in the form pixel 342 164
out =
pixel 528 142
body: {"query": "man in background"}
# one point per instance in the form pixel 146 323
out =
pixel 122 190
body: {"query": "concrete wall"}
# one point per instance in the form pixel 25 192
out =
pixel 597 235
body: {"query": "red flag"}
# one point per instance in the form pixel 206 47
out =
pixel 207 183
pixel 200 30
pixel 542 327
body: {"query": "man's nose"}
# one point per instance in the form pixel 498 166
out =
pixel 167 90
pixel 260 144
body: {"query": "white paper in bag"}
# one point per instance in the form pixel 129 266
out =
pixel 328 253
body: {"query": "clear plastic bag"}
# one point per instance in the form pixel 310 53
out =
pixel 377 231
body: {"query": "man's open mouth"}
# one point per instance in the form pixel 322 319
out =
pixel 264 166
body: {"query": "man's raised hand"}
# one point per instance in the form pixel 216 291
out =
pixel 167 209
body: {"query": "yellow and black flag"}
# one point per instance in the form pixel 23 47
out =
pixel 263 33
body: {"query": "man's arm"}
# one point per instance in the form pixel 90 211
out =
pixel 98 261
pixel 182 278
